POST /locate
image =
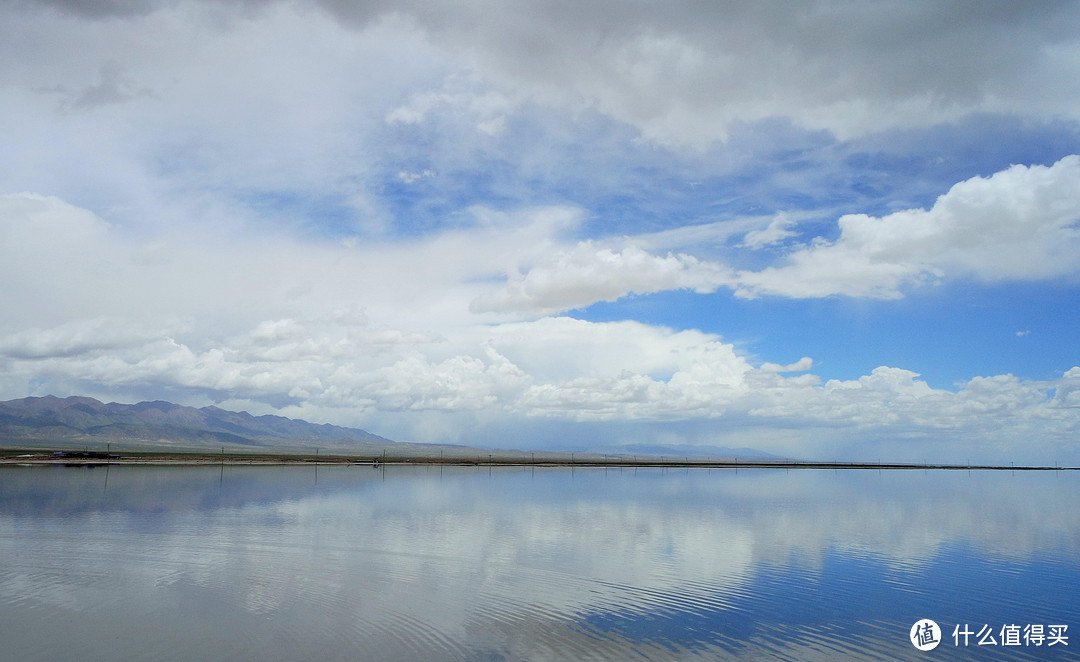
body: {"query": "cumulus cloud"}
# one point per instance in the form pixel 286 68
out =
pixel 982 413
pixel 135 314
pixel 682 72
pixel 164 130
pixel 589 273
pixel 1017 224
pixel 325 208
pixel 64 263
pixel 686 72
pixel 619 370
pixel 805 363
pixel 72 339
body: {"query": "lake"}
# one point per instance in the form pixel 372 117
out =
pixel 476 563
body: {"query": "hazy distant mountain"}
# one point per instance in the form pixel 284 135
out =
pixel 690 451
pixel 75 420
pixel 52 422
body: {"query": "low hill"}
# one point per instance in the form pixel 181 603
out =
pixel 51 421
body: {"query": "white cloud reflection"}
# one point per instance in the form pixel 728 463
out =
pixel 459 555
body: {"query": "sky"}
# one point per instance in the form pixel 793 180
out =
pixel 825 230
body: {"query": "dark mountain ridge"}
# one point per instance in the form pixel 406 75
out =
pixel 76 419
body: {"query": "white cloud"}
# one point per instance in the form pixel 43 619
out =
pixel 776 232
pixel 460 383
pixel 321 326
pixel 63 263
pixel 982 413
pixel 803 364
pixel 196 130
pixel 879 398
pixel 221 106
pixel 1017 224
pixel 619 370
pixel 412 177
pixel 686 72
pixel 460 95
pixel 682 72
pixel 73 339
pixel 589 273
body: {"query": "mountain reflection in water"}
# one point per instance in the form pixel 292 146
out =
pixel 430 563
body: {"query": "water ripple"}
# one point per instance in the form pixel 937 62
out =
pixel 505 568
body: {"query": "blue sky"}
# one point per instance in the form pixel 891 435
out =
pixel 826 231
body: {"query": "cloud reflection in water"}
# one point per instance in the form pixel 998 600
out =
pixel 428 563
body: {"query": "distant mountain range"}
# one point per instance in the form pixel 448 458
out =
pixel 690 451
pixel 56 423
pixel 52 421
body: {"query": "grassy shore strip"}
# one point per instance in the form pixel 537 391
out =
pixel 32 457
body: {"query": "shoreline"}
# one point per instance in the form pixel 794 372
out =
pixel 75 458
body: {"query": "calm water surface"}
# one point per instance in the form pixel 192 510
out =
pixel 356 563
